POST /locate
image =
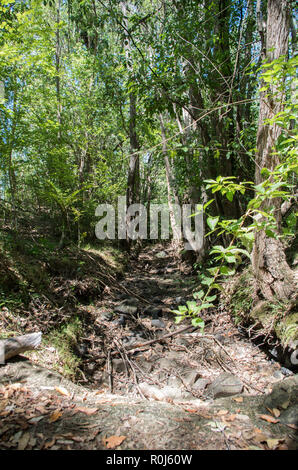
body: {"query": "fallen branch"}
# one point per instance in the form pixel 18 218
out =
pixel 139 347
pixel 11 347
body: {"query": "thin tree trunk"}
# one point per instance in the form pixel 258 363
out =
pixel 170 184
pixel 57 65
pixel 11 172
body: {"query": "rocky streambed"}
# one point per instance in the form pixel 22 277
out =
pixel 152 383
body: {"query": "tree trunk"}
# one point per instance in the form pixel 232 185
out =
pixel 272 273
pixel 170 184
pixel 133 177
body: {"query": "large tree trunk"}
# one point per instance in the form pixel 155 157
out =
pixel 133 177
pixel 272 273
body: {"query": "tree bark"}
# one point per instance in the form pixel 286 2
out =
pixel 170 184
pixel 272 272
pixel 13 346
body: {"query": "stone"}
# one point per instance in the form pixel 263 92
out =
pixel 225 385
pixel 118 365
pixel 91 367
pixel 161 254
pixel 201 384
pixel 221 338
pixel 151 391
pixel 126 309
pixel 133 339
pixel 120 321
pixel 278 375
pixel 157 323
pixel 182 341
pixel 106 316
pixel 166 363
pixel 153 311
pixel 290 416
pixel 286 372
pixel 284 394
pixel 191 377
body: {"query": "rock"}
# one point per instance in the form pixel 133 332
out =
pixel 201 384
pixel 81 350
pixel 284 394
pixel 286 371
pixel 118 365
pixel 131 301
pixel 166 363
pixel 126 309
pixel 182 341
pixel 290 416
pixel 225 385
pixel 106 316
pixel 157 323
pixel 153 311
pixel 131 340
pixel 278 375
pixel 191 377
pixel 242 417
pixel 91 367
pixel 161 254
pixel 274 353
pixel 120 321
pixel 221 338
pixel 174 382
pixel 151 391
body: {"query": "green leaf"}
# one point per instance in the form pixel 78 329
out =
pixel 198 322
pixel 179 319
pixel 212 222
pixel 227 271
pixel 207 281
pixel 230 195
pixel 211 298
pixel 191 304
pixel 198 295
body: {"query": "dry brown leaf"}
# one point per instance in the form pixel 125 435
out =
pixel 238 399
pixel 49 443
pixel 230 417
pixel 258 430
pixel 55 416
pixel 269 419
pixel 276 412
pixel 87 411
pixel 272 443
pixel 63 391
pixel 113 441
pixel 222 412
pixel 260 437
pixel 283 447
pixel 23 442
pixel 292 426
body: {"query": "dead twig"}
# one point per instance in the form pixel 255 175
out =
pixel 139 347
pixel 109 370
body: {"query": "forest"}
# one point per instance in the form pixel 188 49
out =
pixel 148 224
